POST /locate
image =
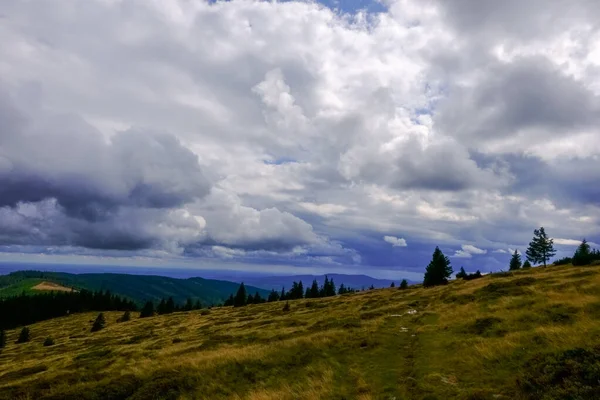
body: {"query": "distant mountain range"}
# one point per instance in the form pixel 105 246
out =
pixel 139 288
pixel 279 282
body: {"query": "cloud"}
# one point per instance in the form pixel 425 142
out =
pixel 338 129
pixel 468 250
pixel 394 241
pixel 501 251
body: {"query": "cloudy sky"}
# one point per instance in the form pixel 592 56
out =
pixel 342 136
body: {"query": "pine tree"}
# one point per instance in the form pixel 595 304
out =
pixel 541 247
pixel 189 305
pixel 2 339
pixel 24 336
pixel 438 271
pixel 125 317
pixel 147 310
pixel 250 299
pixel 282 296
pixel 273 296
pixel 240 297
pixel 98 323
pixel 331 291
pixel 526 264
pixel 314 289
pixel 307 293
pixel 170 306
pixel 462 274
pixel 258 299
pixel 583 255
pixel 515 261
pixel 162 307
pixel 323 289
pixel 393 284
pixel 403 284
pixel 342 289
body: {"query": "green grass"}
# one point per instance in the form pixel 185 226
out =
pixel 18 286
pixel 526 335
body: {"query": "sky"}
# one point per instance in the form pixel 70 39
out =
pixel 343 136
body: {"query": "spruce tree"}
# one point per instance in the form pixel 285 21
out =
pixel 515 261
pixel 342 289
pixel 583 255
pixel 403 284
pixel 170 306
pixel 314 289
pixel 307 293
pixel 162 307
pixel 250 299
pixel 462 274
pixel 393 285
pixel 541 247
pixel 438 271
pixel 24 336
pixel 258 299
pixel 240 297
pixel 2 339
pixel 98 323
pixel 331 290
pixel 125 317
pixel 147 310
pixel 229 302
pixel 189 305
pixel 526 264
pixel 282 296
pixel 273 296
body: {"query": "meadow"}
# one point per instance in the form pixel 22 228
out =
pixel 530 334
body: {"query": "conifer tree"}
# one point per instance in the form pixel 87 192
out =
pixel 282 296
pixel 314 289
pixel 307 293
pixel 331 290
pixel 403 284
pixel 125 317
pixel 250 299
pixel 526 264
pixel 393 285
pixel 24 336
pixel 229 302
pixel 147 310
pixel 541 247
pixel 273 296
pixel 197 305
pixel 162 307
pixel 583 255
pixel 286 306
pixel 438 271
pixel 170 306
pixel 515 261
pixel 258 298
pixel 2 339
pixel 342 289
pixel 240 297
pixel 189 305
pixel 324 288
pixel 98 323
pixel 462 274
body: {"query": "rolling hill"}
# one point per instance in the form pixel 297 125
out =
pixel 531 334
pixel 137 287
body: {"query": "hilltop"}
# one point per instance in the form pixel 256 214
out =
pixel 139 288
pixel 524 335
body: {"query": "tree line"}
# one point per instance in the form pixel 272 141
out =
pixel 540 251
pixel 25 309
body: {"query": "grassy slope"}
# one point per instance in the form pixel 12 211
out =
pixel 136 287
pixel 468 340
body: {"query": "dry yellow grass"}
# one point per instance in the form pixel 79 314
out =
pixel 467 340
pixel 51 286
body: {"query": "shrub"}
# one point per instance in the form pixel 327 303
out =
pixel 177 340
pixel 205 312
pixel 125 317
pixel 571 374
pixel 99 323
pixel 286 306
pixel 49 342
pixel 563 261
pixel 24 336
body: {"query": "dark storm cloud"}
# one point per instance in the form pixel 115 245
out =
pixel 529 94
pixel 62 157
